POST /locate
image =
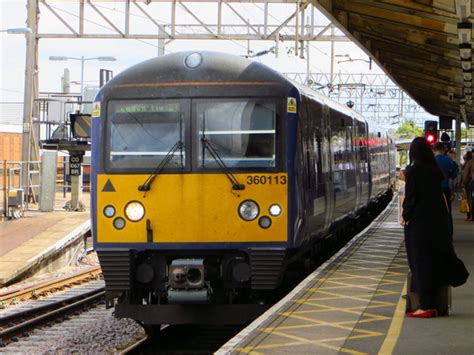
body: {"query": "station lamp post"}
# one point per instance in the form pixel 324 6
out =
pixel 28 100
pixel 83 60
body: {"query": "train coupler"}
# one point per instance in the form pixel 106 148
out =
pixel 186 282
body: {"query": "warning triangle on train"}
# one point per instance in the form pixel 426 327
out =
pixel 108 187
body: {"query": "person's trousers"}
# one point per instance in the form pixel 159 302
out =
pixel 470 199
pixel 447 196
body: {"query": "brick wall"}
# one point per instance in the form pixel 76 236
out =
pixel 10 146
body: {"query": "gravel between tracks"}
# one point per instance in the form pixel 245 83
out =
pixel 95 331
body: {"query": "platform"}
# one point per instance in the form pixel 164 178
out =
pixel 353 304
pixel 28 242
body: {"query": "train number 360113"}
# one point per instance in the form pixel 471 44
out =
pixel 266 179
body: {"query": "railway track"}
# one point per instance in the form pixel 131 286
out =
pixel 136 346
pixel 19 321
pixel 92 331
pixel 36 289
pixel 183 340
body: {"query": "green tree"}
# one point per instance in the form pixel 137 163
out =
pixel 410 128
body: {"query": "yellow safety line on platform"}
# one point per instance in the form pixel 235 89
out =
pixel 349 275
pixel 328 324
pixel 337 297
pixel 395 326
pixel 350 310
pixel 303 341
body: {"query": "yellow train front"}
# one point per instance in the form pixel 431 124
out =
pixel 190 188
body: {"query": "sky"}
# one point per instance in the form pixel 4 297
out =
pixel 130 52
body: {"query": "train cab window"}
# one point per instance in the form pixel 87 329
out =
pixel 241 131
pixel 142 133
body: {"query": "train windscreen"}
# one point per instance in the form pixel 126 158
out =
pixel 241 131
pixel 142 133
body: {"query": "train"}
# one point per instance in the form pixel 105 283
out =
pixel 211 175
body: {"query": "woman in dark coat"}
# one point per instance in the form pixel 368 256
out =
pixel 426 225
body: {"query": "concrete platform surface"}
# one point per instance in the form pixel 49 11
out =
pixel 454 334
pixel 38 235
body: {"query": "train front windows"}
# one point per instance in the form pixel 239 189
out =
pixel 241 131
pixel 143 133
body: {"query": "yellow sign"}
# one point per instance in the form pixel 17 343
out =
pixel 96 109
pixel 291 107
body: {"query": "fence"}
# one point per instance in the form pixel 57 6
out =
pixel 11 173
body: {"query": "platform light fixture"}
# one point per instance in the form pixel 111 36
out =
pixel 468 97
pixel 467 74
pixel 465 49
pixel 466 64
pixel 467 84
pixel 83 60
pixel 463 9
pixel 17 31
pixel 464 32
pixel 467 91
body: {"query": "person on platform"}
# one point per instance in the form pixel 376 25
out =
pixel 456 182
pixel 467 182
pixel 425 218
pixel 450 170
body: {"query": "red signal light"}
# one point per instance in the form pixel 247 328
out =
pixel 430 138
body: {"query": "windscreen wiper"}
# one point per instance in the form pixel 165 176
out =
pixel 206 144
pixel 146 186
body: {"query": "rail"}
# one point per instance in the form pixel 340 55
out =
pixel 22 321
pixel 33 290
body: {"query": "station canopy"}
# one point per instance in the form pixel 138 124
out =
pixel 425 46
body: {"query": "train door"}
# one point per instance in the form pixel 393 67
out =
pixel 343 167
pixel 317 167
pixel 328 163
pixel 369 160
pixel 358 175
pixel 362 165
pixel 352 183
pixel 391 161
pixel 305 171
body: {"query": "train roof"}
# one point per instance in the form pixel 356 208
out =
pixel 210 67
pixel 304 90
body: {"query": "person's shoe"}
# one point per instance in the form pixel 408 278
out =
pixel 419 313
pixel 468 220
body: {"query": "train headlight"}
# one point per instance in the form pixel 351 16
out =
pixel 119 223
pixel 265 222
pixel 109 211
pixel 134 211
pixel 274 210
pixel 248 210
pixel 193 60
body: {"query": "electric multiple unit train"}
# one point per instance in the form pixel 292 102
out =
pixel 211 174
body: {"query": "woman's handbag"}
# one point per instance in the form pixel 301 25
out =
pixel 464 207
pixel 458 273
